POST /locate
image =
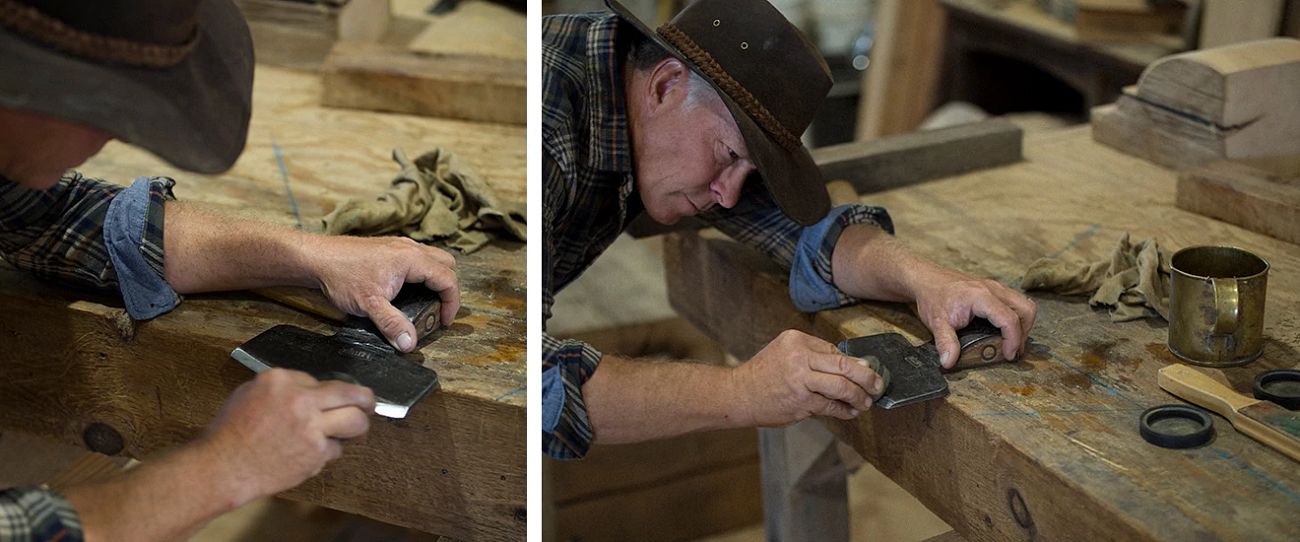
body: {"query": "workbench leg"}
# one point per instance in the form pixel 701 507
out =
pixel 805 490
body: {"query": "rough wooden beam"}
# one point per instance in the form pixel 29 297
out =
pixel 897 161
pixel 893 162
pixel 455 466
pixel 385 78
pixel 900 85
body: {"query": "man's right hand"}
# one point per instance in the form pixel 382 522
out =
pixel 282 427
pixel 798 375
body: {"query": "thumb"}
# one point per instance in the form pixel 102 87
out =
pixel 399 331
pixel 945 341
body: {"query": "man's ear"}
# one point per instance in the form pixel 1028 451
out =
pixel 667 82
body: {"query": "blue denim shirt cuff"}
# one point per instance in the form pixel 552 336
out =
pixel 552 398
pixel 144 291
pixel 811 286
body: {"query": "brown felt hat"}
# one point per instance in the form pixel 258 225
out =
pixel 771 78
pixel 172 76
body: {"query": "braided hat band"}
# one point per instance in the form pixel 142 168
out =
pixel 32 24
pixel 711 68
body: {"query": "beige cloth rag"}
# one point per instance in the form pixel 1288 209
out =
pixel 1133 282
pixel 436 197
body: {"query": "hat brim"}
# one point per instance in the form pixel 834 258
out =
pixel 194 114
pixel 791 176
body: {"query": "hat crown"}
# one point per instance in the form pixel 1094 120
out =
pixel 158 22
pixel 764 54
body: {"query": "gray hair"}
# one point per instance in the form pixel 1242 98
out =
pixel 645 54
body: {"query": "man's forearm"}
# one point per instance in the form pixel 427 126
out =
pixel 871 264
pixel 630 401
pixel 166 499
pixel 207 252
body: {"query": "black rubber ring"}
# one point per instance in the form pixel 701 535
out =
pixel 1287 401
pixel 1202 435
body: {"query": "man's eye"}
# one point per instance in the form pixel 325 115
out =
pixel 733 155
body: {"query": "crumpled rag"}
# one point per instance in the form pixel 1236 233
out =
pixel 436 197
pixel 1133 283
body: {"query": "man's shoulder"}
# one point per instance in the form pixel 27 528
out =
pixel 567 45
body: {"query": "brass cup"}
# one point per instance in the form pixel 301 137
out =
pixel 1216 305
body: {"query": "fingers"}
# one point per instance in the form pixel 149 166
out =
pixel 444 281
pixel 344 423
pixel 399 331
pixel 1025 308
pixel 837 409
pixel 849 370
pixel 839 389
pixel 997 312
pixel 335 394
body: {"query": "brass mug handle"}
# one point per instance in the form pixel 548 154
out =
pixel 1225 306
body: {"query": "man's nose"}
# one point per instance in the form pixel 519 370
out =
pixel 726 188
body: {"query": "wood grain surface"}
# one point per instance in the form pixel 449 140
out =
pixel 455 466
pixel 1047 448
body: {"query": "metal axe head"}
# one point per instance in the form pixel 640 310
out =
pixel 358 354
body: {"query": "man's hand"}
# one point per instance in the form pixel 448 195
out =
pixel 361 275
pixel 798 375
pixel 281 428
pixel 949 304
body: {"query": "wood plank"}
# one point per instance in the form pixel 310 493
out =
pixel 677 504
pixel 393 79
pixel 894 162
pixel 612 470
pixel 1224 22
pixel 299 34
pixel 900 86
pixel 455 466
pixel 1252 198
pixel 1048 447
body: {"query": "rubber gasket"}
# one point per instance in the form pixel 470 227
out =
pixel 1166 426
pixel 1266 387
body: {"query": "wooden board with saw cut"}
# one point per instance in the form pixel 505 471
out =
pixel 1047 448
pixel 455 466
pixel 1233 102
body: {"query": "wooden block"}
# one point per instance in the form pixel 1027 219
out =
pixel 1126 20
pixel 1224 22
pixel 299 34
pixel 384 78
pixel 1250 197
pixel 1238 101
pixel 897 161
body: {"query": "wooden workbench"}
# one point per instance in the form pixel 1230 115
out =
pixel 455 466
pixel 1047 448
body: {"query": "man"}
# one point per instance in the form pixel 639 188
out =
pixel 702 118
pixel 174 77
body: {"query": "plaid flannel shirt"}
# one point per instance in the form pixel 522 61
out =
pixel 91 233
pixel 589 198
pixel 31 514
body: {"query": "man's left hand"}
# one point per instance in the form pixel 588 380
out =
pixel 361 275
pixel 949 304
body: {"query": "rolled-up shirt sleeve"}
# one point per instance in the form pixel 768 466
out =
pixel 91 233
pixel 566 366
pixel 38 515
pixel 805 251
